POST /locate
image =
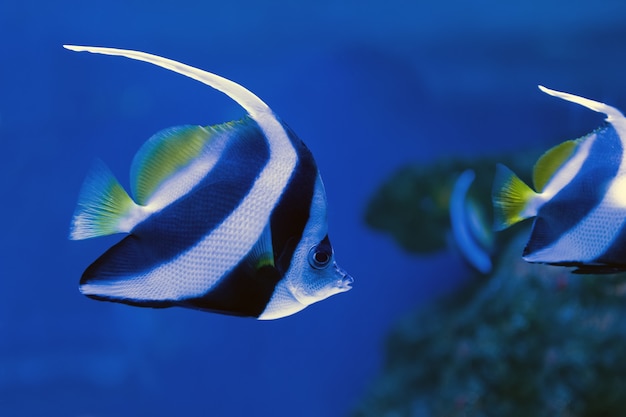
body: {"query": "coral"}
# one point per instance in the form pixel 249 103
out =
pixel 530 340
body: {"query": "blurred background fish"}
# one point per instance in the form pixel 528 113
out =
pixel 579 204
pixel 471 229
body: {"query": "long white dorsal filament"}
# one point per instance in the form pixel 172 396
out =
pixel 612 113
pixel 245 98
pixel 260 112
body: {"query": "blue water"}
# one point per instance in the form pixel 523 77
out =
pixel 368 85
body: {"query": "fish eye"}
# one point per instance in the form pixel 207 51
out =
pixel 319 257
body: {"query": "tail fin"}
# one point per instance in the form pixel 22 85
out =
pixel 104 207
pixel 510 196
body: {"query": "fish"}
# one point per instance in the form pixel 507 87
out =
pixel 229 219
pixel 472 235
pixel 579 197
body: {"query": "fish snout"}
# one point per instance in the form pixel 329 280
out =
pixel 344 283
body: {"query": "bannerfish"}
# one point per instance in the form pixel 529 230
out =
pixel 471 232
pixel 229 218
pixel 579 204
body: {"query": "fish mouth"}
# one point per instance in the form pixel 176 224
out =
pixel 345 282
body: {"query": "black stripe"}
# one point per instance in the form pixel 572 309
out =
pixel 243 292
pixel 578 198
pixel 246 292
pixel 186 221
pixel 292 212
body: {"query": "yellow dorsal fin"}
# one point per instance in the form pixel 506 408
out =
pixel 165 153
pixel 551 161
pixel 175 149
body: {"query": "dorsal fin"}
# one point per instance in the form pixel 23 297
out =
pixel 551 161
pixel 191 151
pixel 165 153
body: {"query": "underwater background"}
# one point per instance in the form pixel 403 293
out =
pixel 369 86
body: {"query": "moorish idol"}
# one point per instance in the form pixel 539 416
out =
pixel 229 218
pixel 579 204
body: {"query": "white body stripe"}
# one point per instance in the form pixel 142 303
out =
pixel 595 233
pixel 592 236
pixel 234 237
pixel 290 294
pixel 561 178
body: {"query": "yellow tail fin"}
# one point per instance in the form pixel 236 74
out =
pixel 510 196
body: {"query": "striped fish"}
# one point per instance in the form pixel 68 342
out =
pixel 228 219
pixel 580 200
